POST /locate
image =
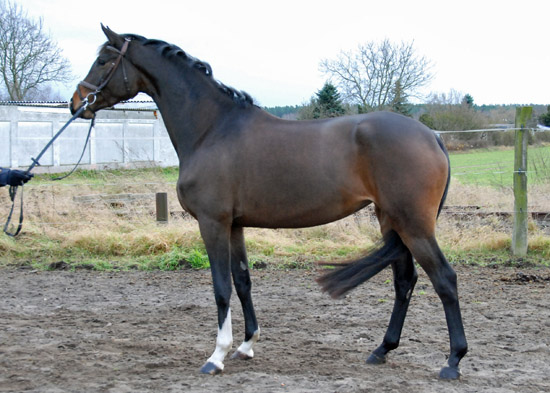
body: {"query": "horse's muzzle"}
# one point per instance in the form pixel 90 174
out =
pixel 75 103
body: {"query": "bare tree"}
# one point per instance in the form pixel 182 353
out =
pixel 370 76
pixel 452 112
pixel 29 59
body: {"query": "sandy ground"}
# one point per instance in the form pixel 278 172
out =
pixel 86 331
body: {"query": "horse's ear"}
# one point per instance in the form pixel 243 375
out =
pixel 114 38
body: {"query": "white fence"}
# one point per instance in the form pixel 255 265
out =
pixel 119 139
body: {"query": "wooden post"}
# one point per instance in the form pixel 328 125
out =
pixel 162 207
pixel 519 237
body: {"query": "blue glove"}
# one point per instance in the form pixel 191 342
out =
pixel 17 178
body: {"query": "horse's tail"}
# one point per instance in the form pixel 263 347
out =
pixel 343 279
pixel 442 146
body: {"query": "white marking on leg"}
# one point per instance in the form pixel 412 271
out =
pixel 223 342
pixel 246 347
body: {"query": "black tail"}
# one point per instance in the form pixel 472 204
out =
pixel 343 279
pixel 442 146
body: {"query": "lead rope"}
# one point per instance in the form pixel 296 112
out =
pixel 13 193
pixel 92 123
pixel 13 189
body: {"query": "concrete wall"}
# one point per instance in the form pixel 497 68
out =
pixel 119 139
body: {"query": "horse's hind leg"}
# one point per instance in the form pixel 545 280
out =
pixel 404 279
pixel 241 279
pixel 443 277
pixel 404 276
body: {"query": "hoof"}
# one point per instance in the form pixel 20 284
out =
pixel 375 359
pixel 211 368
pixel 240 356
pixel 449 373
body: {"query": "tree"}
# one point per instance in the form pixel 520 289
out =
pixel 452 112
pixel 399 102
pixel 468 100
pixel 29 59
pixel 545 118
pixel 427 120
pixel 284 112
pixel 328 103
pixel 324 104
pixel 368 77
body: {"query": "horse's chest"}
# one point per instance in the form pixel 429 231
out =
pixel 203 195
pixel 184 197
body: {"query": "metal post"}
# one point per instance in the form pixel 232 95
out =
pixel 162 207
pixel 519 237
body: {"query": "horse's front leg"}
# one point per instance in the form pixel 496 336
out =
pixel 216 238
pixel 243 285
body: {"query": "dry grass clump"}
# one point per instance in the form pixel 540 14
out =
pixel 336 240
pixel 480 218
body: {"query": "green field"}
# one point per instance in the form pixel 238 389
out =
pixel 495 167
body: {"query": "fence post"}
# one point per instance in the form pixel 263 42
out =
pixel 519 237
pixel 162 207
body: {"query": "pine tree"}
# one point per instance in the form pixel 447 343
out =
pixel 328 102
pixel 399 101
pixel 468 100
pixel 545 118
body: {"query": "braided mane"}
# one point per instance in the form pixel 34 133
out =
pixel 175 53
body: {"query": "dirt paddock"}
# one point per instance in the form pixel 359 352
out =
pixel 86 331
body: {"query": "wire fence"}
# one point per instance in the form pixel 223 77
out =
pixel 479 191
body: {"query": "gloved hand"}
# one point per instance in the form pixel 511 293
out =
pixel 17 177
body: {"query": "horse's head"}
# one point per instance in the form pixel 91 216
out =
pixel 111 79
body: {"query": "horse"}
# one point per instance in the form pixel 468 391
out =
pixel 242 167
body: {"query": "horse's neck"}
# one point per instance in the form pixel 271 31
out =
pixel 189 109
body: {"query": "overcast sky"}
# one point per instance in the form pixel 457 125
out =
pixel 495 50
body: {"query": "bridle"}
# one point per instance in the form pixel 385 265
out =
pixel 92 96
pixel 85 102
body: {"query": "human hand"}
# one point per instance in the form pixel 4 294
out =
pixel 17 177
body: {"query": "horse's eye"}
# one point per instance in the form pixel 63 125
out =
pixel 100 62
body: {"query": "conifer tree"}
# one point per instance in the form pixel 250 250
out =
pixel 399 100
pixel 328 102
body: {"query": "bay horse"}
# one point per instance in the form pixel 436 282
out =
pixel 241 167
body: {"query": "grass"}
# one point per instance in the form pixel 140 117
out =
pixel 60 225
pixel 495 166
